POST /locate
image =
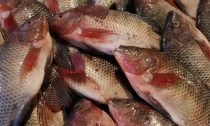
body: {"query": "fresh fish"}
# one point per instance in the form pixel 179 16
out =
pixel 27 9
pixel 24 57
pixel 59 6
pixel 134 113
pixel 157 10
pixel 190 7
pixel 86 113
pixel 180 41
pixel 166 85
pixel 120 4
pixel 95 78
pixel 203 18
pixel 104 30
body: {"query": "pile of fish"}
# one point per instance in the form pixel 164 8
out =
pixel 105 63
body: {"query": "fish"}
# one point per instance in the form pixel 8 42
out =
pixel 24 55
pixel 157 10
pixel 129 112
pixel 95 78
pixel 97 28
pixel 16 17
pixel 181 42
pixel 120 4
pixel 59 6
pixel 166 85
pixel 86 113
pixel 190 7
pixel 203 17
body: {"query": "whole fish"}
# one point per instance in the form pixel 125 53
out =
pixel 190 7
pixel 24 57
pixel 157 10
pixel 27 9
pixel 104 30
pixel 95 78
pixel 203 17
pixel 59 6
pixel 134 113
pixel 86 113
pixel 181 42
pixel 166 85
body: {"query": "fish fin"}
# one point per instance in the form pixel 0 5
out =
pixel 93 10
pixel 61 56
pixel 57 96
pixel 9 23
pixel 93 84
pixel 30 61
pixel 164 79
pixel 21 113
pixel 121 4
pixel 96 33
pixel 52 5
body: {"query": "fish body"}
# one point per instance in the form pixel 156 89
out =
pixel 17 16
pixel 157 10
pixel 59 6
pixel 24 57
pixel 203 20
pixel 86 113
pixel 97 79
pixel 181 42
pixel 96 27
pixel 190 7
pixel 166 85
pixel 133 113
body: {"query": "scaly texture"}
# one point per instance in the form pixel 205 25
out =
pixel 166 85
pixel 157 10
pixel 134 113
pixel 180 42
pixel 203 19
pixel 104 30
pixel 23 61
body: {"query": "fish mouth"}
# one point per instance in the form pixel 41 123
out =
pixel 170 17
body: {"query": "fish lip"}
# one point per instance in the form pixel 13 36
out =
pixel 170 17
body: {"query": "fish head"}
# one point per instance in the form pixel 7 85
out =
pixel 136 60
pixel 31 31
pixel 177 29
pixel 129 110
pixel 65 22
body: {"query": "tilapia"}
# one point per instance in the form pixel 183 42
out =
pixel 97 28
pixel 203 17
pixel 157 10
pixel 166 85
pixel 10 20
pixel 134 113
pixel 24 56
pixel 180 41
pixel 95 78
pixel 59 6
pixel 86 113
pixel 190 7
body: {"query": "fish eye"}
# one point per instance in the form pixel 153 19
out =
pixel 127 103
pixel 29 22
pixel 176 24
pixel 60 16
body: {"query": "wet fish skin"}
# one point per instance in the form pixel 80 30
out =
pixel 203 17
pixel 181 41
pixel 23 61
pixel 86 113
pixel 166 85
pixel 98 28
pixel 133 113
pixel 157 10
pixel 120 4
pixel 59 6
pixel 190 7
pixel 16 17
pixel 95 78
